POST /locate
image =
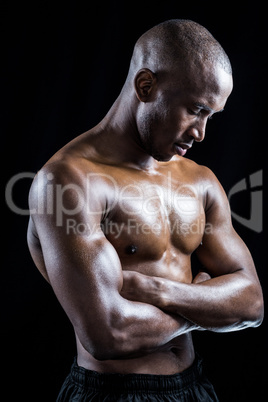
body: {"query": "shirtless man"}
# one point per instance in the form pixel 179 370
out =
pixel 116 215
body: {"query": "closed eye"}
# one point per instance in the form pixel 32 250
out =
pixel 194 113
pixel 199 113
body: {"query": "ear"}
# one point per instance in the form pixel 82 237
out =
pixel 145 79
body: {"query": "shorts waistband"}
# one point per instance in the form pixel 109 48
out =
pixel 109 382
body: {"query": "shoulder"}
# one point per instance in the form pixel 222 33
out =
pixel 205 182
pixel 66 180
pixel 213 193
pixel 56 172
pixel 195 172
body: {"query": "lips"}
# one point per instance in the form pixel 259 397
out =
pixel 181 149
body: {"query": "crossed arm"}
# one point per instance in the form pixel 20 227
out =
pixel 119 314
pixel 229 302
pixel 227 296
pixel 85 273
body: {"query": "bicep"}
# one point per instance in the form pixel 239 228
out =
pixel 85 274
pixel 82 266
pixel 222 250
pixel 75 263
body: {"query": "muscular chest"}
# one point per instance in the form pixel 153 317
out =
pixel 158 215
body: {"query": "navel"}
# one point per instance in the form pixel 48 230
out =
pixel 131 249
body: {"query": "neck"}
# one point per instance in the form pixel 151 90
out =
pixel 118 139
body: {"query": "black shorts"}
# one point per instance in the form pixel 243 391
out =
pixel 85 385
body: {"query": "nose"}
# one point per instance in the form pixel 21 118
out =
pixel 198 131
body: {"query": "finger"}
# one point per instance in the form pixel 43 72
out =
pixel 201 277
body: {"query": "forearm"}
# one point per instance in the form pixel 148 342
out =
pixel 134 329
pixel 219 304
pixel 226 303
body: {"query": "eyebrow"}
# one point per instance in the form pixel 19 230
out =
pixel 207 108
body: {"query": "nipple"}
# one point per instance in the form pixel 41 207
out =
pixel 131 249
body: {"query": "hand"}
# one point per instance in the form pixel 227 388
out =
pixel 142 288
pixel 147 289
pixel 151 290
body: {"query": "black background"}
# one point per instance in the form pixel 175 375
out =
pixel 63 64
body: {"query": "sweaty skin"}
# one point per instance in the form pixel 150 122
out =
pixel 116 216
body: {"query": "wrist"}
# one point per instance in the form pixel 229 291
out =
pixel 161 290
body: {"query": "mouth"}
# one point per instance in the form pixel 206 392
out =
pixel 181 149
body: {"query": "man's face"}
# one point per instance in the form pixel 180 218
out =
pixel 178 112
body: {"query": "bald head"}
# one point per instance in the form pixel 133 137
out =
pixel 179 76
pixel 177 43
